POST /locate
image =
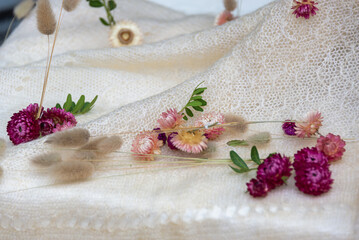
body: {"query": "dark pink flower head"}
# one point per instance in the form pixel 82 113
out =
pixel 304 8
pixel 23 126
pixel 170 140
pixel 33 109
pixel 170 119
pixel 307 157
pixel 61 119
pixel 46 126
pixel 274 169
pixel 314 180
pixel 161 136
pixel 332 146
pixel 257 188
pixel 289 128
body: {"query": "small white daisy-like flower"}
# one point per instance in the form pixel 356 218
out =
pixel 125 33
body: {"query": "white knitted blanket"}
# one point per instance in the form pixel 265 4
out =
pixel 268 65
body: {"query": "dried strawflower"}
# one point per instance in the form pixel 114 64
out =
pixel 208 119
pixel 170 141
pixel 310 126
pixel 257 188
pixel 223 17
pixel 146 143
pixel 62 120
pixel 289 127
pixel 259 138
pixel 241 125
pixel 332 146
pixel 191 142
pixel 22 9
pixel 125 33
pixel 70 5
pixel 47 159
pixel 70 171
pixel 70 138
pixel 170 119
pixel 314 180
pixel 274 170
pixel 46 22
pixel 46 126
pixel 309 157
pixel 304 8
pixel 161 136
pixel 230 5
pixel 23 127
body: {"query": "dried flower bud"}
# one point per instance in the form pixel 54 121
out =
pixel 46 22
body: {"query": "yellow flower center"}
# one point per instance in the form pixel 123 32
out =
pixel 192 138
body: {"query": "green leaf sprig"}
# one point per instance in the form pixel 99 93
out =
pixel 81 107
pixel 239 162
pixel 195 102
pixel 109 5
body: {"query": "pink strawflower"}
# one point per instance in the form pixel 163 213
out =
pixel 274 170
pixel 307 157
pixel 304 8
pixel 146 143
pixel 61 119
pixel 23 126
pixel 289 128
pixel 224 17
pixel 170 119
pixel 314 180
pixel 310 126
pixel 191 142
pixel 332 146
pixel 257 188
pixel 208 119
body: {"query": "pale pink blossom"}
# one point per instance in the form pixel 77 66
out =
pixel 310 126
pixel 332 146
pixel 191 142
pixel 146 143
pixel 224 17
pixel 208 119
pixel 170 119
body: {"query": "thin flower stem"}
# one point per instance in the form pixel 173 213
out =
pixel 108 12
pixel 8 30
pixel 49 65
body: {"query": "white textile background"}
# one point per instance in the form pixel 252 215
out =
pixel 268 65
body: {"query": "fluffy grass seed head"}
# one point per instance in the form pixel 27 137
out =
pixel 69 138
pixel 47 159
pixel 230 5
pixel 46 22
pixel 22 9
pixel 71 171
pixel 70 5
pixel 241 124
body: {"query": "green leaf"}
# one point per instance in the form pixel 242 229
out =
pixel 204 103
pixel 255 155
pixel 112 5
pixel 79 105
pixel 199 91
pixel 237 160
pixel 68 103
pixel 104 22
pixel 189 112
pixel 185 118
pixel 96 4
pixel 88 107
pixel 237 143
pixel 72 106
pixel 199 109
pixel 58 106
pixel 196 103
pixel 196 97
pixel 239 170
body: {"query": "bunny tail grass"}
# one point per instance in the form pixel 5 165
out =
pixel 2 146
pixel 259 138
pixel 230 5
pixel 47 159
pixel 241 124
pixel 109 145
pixel 69 138
pixel 71 171
pixel 46 22
pixel 70 5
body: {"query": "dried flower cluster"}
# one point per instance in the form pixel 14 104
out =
pixel 24 127
pixel 307 128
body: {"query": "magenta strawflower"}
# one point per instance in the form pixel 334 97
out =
pixel 257 188
pixel 161 136
pixel 307 157
pixel 208 119
pixel 304 8
pixel 46 126
pixel 170 141
pixel 314 180
pixel 332 146
pixel 61 119
pixel 170 119
pixel 274 170
pixel 23 126
pixel 289 128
